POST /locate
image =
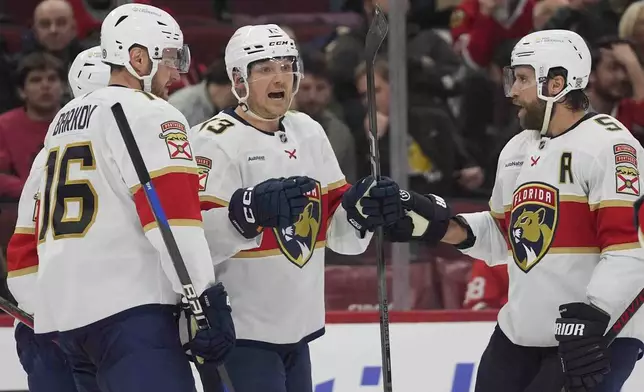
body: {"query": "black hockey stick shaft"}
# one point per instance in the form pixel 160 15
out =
pixel 17 313
pixel 622 320
pixel 164 227
pixel 375 37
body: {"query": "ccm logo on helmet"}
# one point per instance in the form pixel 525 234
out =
pixel 278 43
pixel 569 329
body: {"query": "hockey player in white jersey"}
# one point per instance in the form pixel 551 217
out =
pixel 562 208
pixel 44 362
pixel 268 240
pixel 105 283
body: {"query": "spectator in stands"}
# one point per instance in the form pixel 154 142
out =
pixel 314 98
pixel 592 19
pixel 8 97
pixel 54 31
pixel 201 101
pixel 344 54
pixel 438 160
pixel 479 26
pixel 616 84
pixel 22 130
pixel 631 26
pixel 487 287
pixel 488 119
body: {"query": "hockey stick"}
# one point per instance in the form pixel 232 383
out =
pixel 375 37
pixel 17 313
pixel 622 320
pixel 189 292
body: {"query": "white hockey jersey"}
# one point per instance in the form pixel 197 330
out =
pixel 22 254
pixel 563 209
pixel 276 280
pixel 100 251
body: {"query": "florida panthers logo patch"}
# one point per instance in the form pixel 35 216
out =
pixel 204 165
pixel 297 242
pixel 176 139
pixel 533 222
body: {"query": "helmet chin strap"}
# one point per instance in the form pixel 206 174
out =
pixel 147 79
pixel 546 117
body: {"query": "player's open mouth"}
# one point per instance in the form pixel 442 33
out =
pixel 277 95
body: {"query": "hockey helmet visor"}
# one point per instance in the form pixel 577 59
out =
pixel 177 58
pixel 274 66
pixel 517 79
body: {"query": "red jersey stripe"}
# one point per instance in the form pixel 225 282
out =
pixel 334 197
pixel 177 193
pixel 22 254
pixel 615 226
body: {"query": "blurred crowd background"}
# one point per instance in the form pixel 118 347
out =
pixel 458 118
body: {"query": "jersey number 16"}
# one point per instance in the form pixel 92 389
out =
pixel 57 200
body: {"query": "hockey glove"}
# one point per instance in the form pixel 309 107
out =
pixel 215 343
pixel 585 358
pixel 272 203
pixel 426 218
pixel 370 203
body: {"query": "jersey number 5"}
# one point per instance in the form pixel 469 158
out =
pixel 608 123
pixel 56 208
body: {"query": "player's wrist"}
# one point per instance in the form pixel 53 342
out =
pixel 459 233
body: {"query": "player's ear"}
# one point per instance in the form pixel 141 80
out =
pixel 555 85
pixel 239 82
pixel 140 60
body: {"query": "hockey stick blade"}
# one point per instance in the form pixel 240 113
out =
pixel 375 37
pixel 164 227
pixel 622 320
pixel 17 313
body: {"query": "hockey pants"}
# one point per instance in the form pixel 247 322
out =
pixel 47 367
pixel 507 367
pixel 263 369
pixel 132 351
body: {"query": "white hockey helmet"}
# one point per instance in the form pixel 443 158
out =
pixel 148 27
pixel 88 72
pixel 254 43
pixel 545 50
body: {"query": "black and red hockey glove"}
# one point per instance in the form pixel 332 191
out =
pixel 585 357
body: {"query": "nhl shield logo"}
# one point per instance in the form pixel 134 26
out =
pixel 297 242
pixel 204 165
pixel 533 222
pixel 176 139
